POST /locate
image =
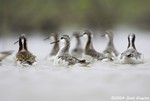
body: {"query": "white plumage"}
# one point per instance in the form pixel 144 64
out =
pixel 131 55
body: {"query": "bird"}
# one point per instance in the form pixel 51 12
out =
pixel 55 48
pixel 63 58
pixel 90 54
pixel 4 54
pixel 24 57
pixel 110 50
pixel 131 55
pixel 77 50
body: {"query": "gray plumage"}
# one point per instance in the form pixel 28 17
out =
pixel 63 53
pixel 78 50
pixel 55 47
pixel 72 60
pixel 89 49
pixel 110 48
pixel 131 51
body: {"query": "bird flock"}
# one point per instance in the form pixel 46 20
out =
pixel 60 55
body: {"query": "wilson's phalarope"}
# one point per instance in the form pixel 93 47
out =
pixel 5 54
pixel 55 47
pixel 131 55
pixel 77 51
pixel 63 57
pixel 110 50
pixel 23 56
pixel 90 54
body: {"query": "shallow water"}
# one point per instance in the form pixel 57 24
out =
pixel 102 81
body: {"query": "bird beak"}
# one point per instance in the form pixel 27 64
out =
pixel 81 35
pixel 54 42
pixel 102 35
pixel 46 38
pixel 16 42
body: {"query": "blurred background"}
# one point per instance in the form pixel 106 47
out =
pixel 44 82
pixel 46 16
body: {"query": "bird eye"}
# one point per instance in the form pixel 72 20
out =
pixel 61 38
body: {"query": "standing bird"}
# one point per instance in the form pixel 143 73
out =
pixel 78 50
pixel 23 56
pixel 63 57
pixel 110 50
pixel 55 47
pixel 131 55
pixel 90 54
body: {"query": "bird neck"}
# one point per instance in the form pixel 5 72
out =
pixel 65 48
pixel 78 44
pixel 23 45
pixel 56 45
pixel 131 41
pixel 110 42
pixel 89 44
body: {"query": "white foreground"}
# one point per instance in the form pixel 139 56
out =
pixel 102 81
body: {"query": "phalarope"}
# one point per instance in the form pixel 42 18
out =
pixel 110 50
pixel 55 47
pixel 23 56
pixel 77 51
pixel 63 57
pixel 5 54
pixel 131 55
pixel 90 54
